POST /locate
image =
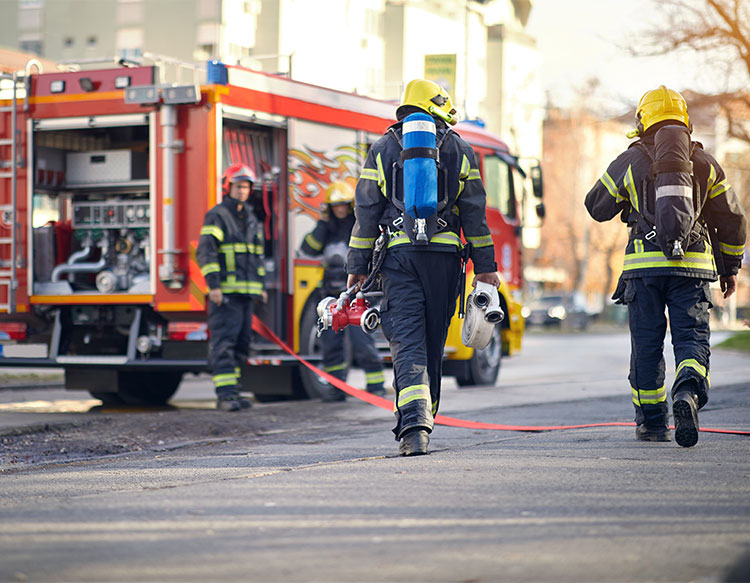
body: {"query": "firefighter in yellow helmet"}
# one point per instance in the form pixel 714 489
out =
pixel 329 240
pixel 420 279
pixel 686 227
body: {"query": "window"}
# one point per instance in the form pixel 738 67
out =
pixel 68 42
pixel 31 43
pixel 497 186
pixel 91 41
pixel 130 43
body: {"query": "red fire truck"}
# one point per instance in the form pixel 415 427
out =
pixel 108 174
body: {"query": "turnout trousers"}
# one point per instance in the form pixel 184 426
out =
pixel 364 354
pixel 230 329
pixel 688 301
pixel 420 290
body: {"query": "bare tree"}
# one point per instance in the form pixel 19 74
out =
pixel 718 31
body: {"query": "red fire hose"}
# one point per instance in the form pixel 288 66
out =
pixel 266 332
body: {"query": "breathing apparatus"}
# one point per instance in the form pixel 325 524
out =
pixel 338 313
pixel 483 312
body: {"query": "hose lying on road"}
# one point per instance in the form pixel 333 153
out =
pixel 267 333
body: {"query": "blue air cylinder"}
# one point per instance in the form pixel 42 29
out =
pixel 420 168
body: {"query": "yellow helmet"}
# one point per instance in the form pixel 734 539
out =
pixel 430 97
pixel 659 105
pixel 339 193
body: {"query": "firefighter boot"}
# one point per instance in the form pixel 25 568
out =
pixel 414 442
pixel 685 411
pixel 645 433
pixel 232 401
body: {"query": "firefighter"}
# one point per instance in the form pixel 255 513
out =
pixel 420 281
pixel 654 279
pixel 330 239
pixel 230 254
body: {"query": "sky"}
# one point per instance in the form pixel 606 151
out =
pixel 581 39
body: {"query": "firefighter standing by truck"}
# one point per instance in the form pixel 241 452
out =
pixel 330 239
pixel 420 281
pixel 685 221
pixel 230 255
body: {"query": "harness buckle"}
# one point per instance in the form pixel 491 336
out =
pixel 650 235
pixel 442 223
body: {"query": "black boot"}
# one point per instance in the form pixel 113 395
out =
pixel 645 433
pixel 414 442
pixel 685 411
pixel 333 395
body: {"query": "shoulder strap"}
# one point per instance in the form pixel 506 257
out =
pixel 229 220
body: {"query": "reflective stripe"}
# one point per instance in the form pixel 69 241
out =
pixel 695 365
pixel 313 242
pixel 644 397
pixel 261 270
pixel 679 190
pixel 731 249
pixel 484 241
pixel 229 257
pixel 241 248
pixel 242 287
pixel 213 231
pixel 369 174
pixel 225 379
pixel 361 242
pixel 638 245
pixel 449 238
pixel 718 189
pixel 711 178
pixel 474 174
pixel 419 126
pixel 655 259
pixel 381 176
pixel 463 175
pixel 629 186
pixel 375 377
pixel 335 367
pixel 210 268
pixel 413 393
pixel 611 187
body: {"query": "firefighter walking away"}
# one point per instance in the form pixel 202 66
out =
pixel 686 226
pixel 420 184
pixel 230 255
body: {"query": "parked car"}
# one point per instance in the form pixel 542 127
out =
pixel 557 310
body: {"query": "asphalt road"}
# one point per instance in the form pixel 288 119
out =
pixel 316 493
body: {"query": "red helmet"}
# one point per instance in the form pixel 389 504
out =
pixel 236 173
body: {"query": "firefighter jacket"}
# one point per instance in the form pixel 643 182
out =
pixel 230 249
pixel 465 209
pixel 625 187
pixel 327 231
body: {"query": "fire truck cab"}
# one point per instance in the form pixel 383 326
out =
pixel 108 177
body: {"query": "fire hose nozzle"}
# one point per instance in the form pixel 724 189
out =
pixel 370 320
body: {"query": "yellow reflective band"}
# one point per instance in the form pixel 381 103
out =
pixel 638 245
pixel 210 268
pixel 465 168
pixel 484 241
pixel 313 242
pixel 381 176
pixel 374 377
pixel 474 175
pixel 718 189
pixel 369 174
pixel 731 249
pixel 611 187
pixel 237 248
pixel 711 177
pixel 630 187
pixel 644 397
pixel 225 380
pixel 398 239
pixel 695 365
pixel 261 271
pixel 655 259
pixel 334 367
pixel 229 257
pixel 413 393
pixel 237 371
pixel 242 287
pixel 361 242
pixel 213 231
pixel 448 238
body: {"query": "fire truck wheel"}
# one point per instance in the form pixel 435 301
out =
pixel 154 388
pixel 484 366
pixel 309 344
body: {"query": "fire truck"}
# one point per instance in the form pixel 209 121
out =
pixel 107 176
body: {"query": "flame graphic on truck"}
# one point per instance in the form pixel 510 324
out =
pixel 312 171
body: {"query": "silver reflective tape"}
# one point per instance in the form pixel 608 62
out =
pixel 674 190
pixel 419 126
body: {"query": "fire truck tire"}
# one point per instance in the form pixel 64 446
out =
pixel 107 398
pixel 154 388
pixel 484 366
pixel 311 384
